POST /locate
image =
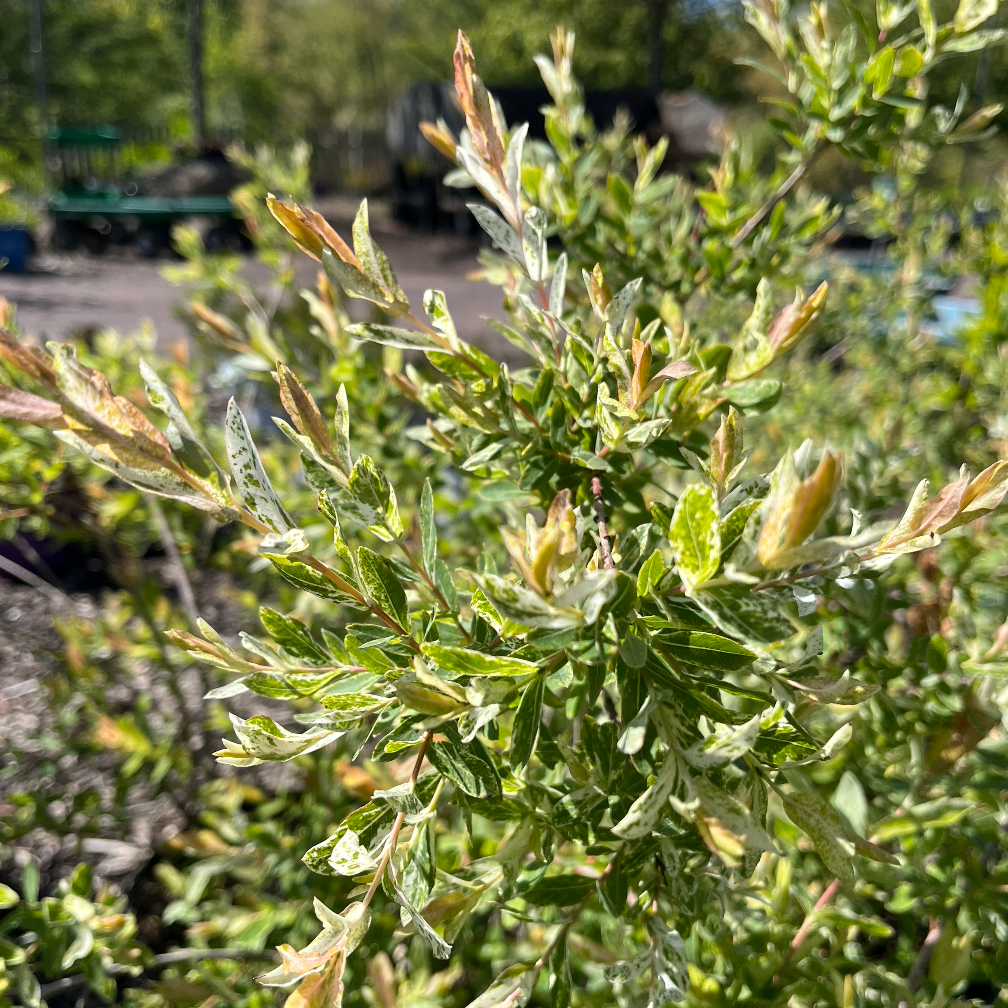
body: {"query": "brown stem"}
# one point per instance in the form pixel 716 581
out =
pixel 423 327
pixel 247 518
pixel 806 925
pixel 390 844
pixel 828 893
pixel 418 567
pixel 33 580
pixel 179 575
pixel 782 190
pixel 345 586
pixel 916 973
pixel 603 534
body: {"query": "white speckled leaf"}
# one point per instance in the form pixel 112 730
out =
pixel 251 481
pixel 695 535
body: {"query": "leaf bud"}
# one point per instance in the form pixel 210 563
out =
pixel 598 290
pixel 726 449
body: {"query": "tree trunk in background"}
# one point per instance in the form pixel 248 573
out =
pixel 38 67
pixel 657 10
pixel 194 30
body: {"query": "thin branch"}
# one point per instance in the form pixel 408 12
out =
pixel 782 190
pixel 916 973
pixel 33 556
pixel 34 581
pixel 806 925
pixel 349 589
pixel 603 534
pixel 249 519
pixel 435 591
pixel 179 575
pixel 390 844
pixel 165 959
pixel 828 893
pixel 423 327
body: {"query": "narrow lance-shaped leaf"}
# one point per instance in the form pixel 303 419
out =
pixel 525 729
pixel 382 586
pixel 252 483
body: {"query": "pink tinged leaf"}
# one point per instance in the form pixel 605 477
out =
pixel 672 371
pixel 23 407
pixel 943 507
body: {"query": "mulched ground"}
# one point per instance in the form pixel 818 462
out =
pixel 35 761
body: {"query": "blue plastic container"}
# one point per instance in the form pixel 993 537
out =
pixel 14 245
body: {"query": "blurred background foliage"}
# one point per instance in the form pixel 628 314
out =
pixel 281 70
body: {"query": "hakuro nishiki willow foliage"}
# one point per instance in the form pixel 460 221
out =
pixel 636 698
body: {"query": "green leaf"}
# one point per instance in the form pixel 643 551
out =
pixel 510 990
pixel 880 71
pixel 822 823
pixel 80 948
pixel 525 728
pixel 753 616
pixel 374 261
pixel 695 535
pixel 500 231
pixel 30 881
pixel 753 351
pixel 560 977
pixel 662 516
pixel 724 746
pixel 646 810
pixel 443 580
pixel 348 857
pixel 706 650
pixel 733 815
pixel 650 573
pixel 375 495
pixel 383 587
pixel 909 62
pixel 438 945
pixel 733 525
pixel 523 606
pixel 633 651
pixel 558 286
pixel 251 481
pixel 643 434
pixel 559 890
pixel 428 529
pixel 341 426
pixel 293 636
pixel 356 284
pixel 757 393
pixel 927 21
pixel 971 14
pixel 349 708
pixel 952 958
pixel 468 662
pixel 850 799
pixel 186 446
pixel 310 580
pixel 404 339
pixel 468 766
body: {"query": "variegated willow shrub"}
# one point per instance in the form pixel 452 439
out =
pixel 639 702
